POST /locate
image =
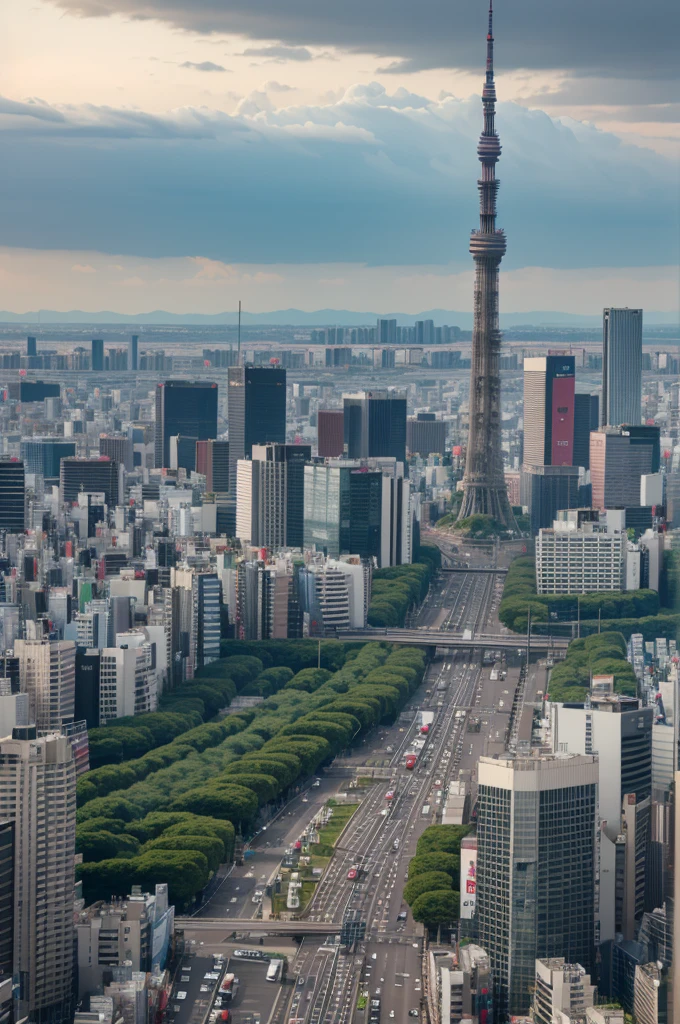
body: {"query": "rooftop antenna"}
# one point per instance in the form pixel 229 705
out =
pixel 238 363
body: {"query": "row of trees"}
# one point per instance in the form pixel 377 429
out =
pixel 181 710
pixel 602 654
pixel 263 753
pixel 397 588
pixel 596 610
pixel 434 876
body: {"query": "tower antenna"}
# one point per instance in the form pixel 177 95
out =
pixel 238 363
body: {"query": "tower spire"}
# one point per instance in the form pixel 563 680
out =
pixel 484 481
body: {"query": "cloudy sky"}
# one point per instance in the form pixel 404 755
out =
pixel 180 154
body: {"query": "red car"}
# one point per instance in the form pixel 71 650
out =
pixel 352 874
pixel 389 795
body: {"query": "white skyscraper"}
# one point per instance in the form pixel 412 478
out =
pixel 38 793
pixel 47 672
pixel 621 367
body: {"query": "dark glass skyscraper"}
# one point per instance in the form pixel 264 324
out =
pixel 12 496
pixel 187 408
pixel 43 455
pixel 586 418
pixel 133 356
pixel 97 354
pixel 6 897
pixel 621 367
pixel 375 425
pixel 256 409
pixel 89 475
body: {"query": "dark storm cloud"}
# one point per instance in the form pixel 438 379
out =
pixel 373 177
pixel 603 37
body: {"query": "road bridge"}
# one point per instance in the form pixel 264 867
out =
pixel 222 929
pixel 426 637
pixel 496 571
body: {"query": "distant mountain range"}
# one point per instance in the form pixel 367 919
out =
pixel 318 318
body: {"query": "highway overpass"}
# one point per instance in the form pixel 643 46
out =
pixel 474 572
pixel 214 929
pixel 425 637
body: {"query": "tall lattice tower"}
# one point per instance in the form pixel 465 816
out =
pixel 484 484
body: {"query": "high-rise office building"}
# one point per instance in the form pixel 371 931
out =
pixel 31 347
pixel 359 508
pixel 184 408
pixel 619 457
pixel 375 425
pixel 212 460
pixel 127 680
pixel 619 732
pixel 12 496
pixel 6 899
pixel 270 496
pixel 549 411
pixel 547 489
pixel 118 448
pixel 92 476
pixel 97 359
pixel 387 332
pixel 586 419
pixel 256 409
pixel 621 367
pixel 197 614
pixel 330 433
pixel 133 352
pixel 536 845
pixel 43 455
pixel 183 452
pixel 48 675
pixel 426 435
pixel 424 330
pixel 38 793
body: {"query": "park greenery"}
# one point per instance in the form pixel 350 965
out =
pixel 171 813
pixel 434 876
pixel 602 654
pixel 631 611
pixel 399 587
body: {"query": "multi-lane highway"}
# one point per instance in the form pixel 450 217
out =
pixel 366 877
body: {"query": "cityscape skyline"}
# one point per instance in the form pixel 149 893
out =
pixel 340 659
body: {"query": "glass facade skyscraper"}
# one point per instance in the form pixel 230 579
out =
pixel 535 868
pixel 256 408
pixel 621 367
pixel 343 510
pixel 43 455
pixel 12 496
pixel 375 425
pixel 187 408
